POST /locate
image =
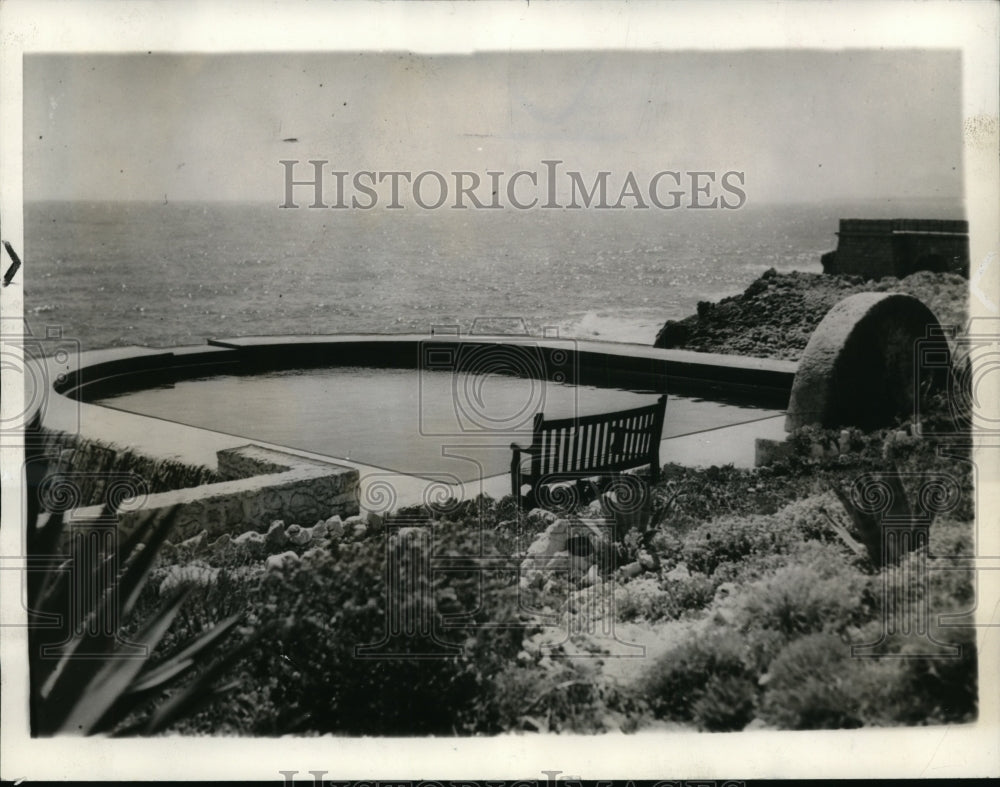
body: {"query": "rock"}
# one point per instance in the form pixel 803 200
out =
pixel 298 535
pixel 672 334
pixel 359 531
pixel 315 555
pixel 282 561
pixel 250 537
pixel 335 526
pixel 221 542
pixel 565 544
pixel 551 541
pixel 193 545
pixel 631 569
pixel 725 590
pixel 678 573
pixel 175 576
pixel 168 552
pixel 540 517
pixel 551 586
pixel 275 534
pixel 775 315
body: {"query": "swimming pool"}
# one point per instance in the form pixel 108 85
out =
pixel 418 422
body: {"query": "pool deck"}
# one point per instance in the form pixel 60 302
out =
pixel 380 487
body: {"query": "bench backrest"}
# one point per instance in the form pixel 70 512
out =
pixel 606 442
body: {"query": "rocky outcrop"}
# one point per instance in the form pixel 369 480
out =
pixel 777 313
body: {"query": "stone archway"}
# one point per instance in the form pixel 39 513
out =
pixel 859 367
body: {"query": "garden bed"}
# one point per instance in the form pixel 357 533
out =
pixel 747 600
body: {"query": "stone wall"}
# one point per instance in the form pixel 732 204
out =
pixel 88 468
pixel 253 486
pixel 875 248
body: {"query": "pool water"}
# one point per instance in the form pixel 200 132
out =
pixel 418 422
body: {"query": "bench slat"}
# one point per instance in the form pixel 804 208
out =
pixel 569 448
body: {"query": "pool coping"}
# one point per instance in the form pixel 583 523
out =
pixel 97 371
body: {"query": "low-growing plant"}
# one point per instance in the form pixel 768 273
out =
pixel 726 704
pixel 677 682
pixel 652 599
pixel 805 598
pixel 811 684
pixel 339 654
pixel 573 696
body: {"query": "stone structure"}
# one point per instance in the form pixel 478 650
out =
pixel 859 367
pixel 260 485
pixel 875 248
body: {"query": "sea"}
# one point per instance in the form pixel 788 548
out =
pixel 113 274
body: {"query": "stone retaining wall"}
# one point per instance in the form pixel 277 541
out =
pixel 253 487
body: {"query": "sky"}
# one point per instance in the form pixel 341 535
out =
pixel 803 125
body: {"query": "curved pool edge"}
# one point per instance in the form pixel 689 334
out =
pixel 97 372
pixel 757 381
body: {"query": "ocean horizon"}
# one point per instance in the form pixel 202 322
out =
pixel 176 273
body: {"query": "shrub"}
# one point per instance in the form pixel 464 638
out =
pixel 651 599
pixel 726 704
pixel 571 696
pixel 821 595
pixel 308 678
pixel 743 545
pixel 677 684
pixel 809 686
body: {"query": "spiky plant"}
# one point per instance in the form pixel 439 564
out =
pixel 90 662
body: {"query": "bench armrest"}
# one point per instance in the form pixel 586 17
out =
pixel 515 467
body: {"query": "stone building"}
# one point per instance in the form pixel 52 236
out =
pixel 875 248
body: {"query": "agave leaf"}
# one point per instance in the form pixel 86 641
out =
pixel 122 592
pixel 165 673
pixel 44 545
pixel 115 676
pixel 135 576
pixel 75 671
pixel 866 526
pixel 197 693
pixel 177 664
pixel 43 539
pixel 56 592
pixel 96 626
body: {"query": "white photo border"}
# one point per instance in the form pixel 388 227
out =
pixel 207 26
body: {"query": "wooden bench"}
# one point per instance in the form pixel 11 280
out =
pixel 571 449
